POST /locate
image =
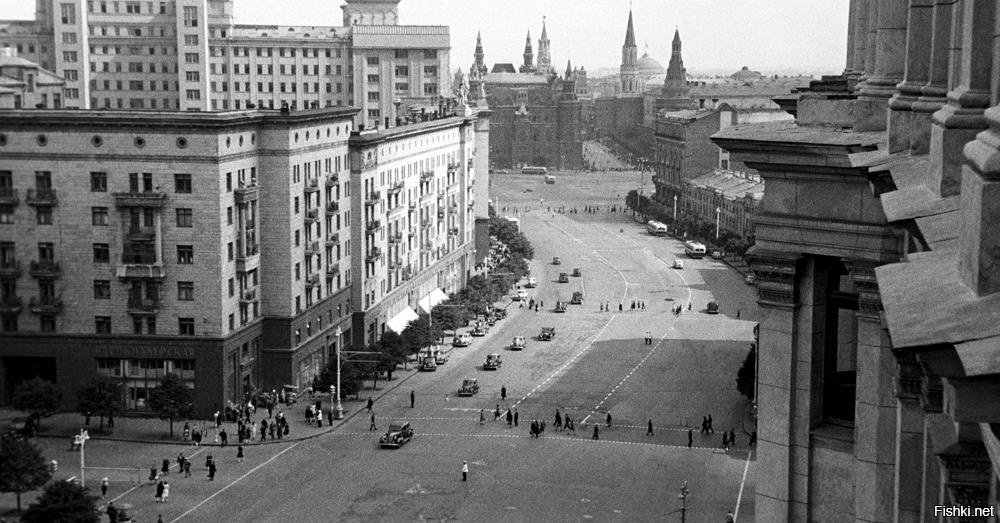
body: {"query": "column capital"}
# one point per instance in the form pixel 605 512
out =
pixel 869 301
pixel 775 272
pixel 909 375
pixel 931 392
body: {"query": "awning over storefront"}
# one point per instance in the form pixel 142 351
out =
pixel 399 322
pixel 428 302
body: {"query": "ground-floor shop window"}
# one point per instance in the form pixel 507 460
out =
pixel 140 375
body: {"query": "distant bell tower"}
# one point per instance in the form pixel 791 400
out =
pixel 630 82
pixel 675 84
pixel 544 60
pixel 529 56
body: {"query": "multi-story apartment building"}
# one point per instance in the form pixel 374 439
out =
pixel 415 219
pixel 190 55
pixel 213 245
pixel 732 197
pixel 23 84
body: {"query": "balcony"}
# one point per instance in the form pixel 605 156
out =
pixel 140 234
pixel 10 304
pixel 248 295
pixel 312 215
pixel 425 223
pixel 140 271
pixel 312 185
pixel 333 269
pixel 45 269
pixel 41 197
pixel 332 208
pixel 332 180
pixel 454 166
pixel 46 305
pixel 10 269
pixel 151 199
pixel 426 176
pixel 396 187
pixel 373 226
pixel 332 239
pixel 453 231
pixel 312 280
pixel 441 214
pixel 312 248
pixel 8 196
pixel 246 194
pixel 249 260
pixel 395 265
pixel 395 238
pixel 143 306
pixel 374 255
pixel 413 206
pixel 373 198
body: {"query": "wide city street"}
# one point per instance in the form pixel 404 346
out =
pixel 598 363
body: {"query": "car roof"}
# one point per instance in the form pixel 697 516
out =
pixel 493 354
pixel 396 425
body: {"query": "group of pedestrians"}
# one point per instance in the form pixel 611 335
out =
pixel 636 305
pixel 677 309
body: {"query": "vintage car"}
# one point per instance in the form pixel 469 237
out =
pixel 563 277
pixel 440 358
pixel 560 306
pixel 429 363
pixel 548 333
pixel 577 273
pixel 499 313
pixel 399 433
pixel 717 254
pixel 462 340
pixel 490 320
pixel 517 343
pixel 479 330
pixel 531 283
pixel 556 260
pixel 577 298
pixel 678 264
pixel 522 295
pixel 492 362
pixel 469 387
pixel 713 307
pixel 750 279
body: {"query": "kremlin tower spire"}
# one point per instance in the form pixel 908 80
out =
pixel 675 85
pixel 544 59
pixel 479 56
pixel 630 81
pixel 529 56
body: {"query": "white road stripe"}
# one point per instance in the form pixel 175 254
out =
pixel 739 498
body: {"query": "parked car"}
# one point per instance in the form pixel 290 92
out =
pixel 522 295
pixel 490 320
pixel 462 340
pixel 556 260
pixel 429 363
pixel 479 330
pixel 492 362
pixel 577 273
pixel 678 264
pixel 532 283
pixel 469 387
pixel 577 298
pixel 517 343
pixel 750 279
pixel 563 277
pixel 717 254
pixel 560 306
pixel 399 434
pixel 548 333
pixel 713 308
pixel 440 358
pixel 499 313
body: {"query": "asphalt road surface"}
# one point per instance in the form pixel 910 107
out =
pixel 598 363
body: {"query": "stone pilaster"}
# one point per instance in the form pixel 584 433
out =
pixel 909 439
pixel 852 25
pixel 782 447
pixel 859 40
pixel 934 93
pixel 979 237
pixel 890 54
pixel 871 34
pixel 961 118
pixel 907 129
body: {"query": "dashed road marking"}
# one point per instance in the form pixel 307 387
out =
pixel 627 376
pixel 579 439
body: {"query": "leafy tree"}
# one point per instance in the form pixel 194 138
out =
pixel 450 316
pixel 103 397
pixel 24 469
pixel 746 378
pixel 350 378
pixel 507 233
pixel 421 333
pixel 38 397
pixel 171 400
pixel 65 502
pixel 393 350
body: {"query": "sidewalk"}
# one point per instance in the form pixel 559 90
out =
pixel 156 431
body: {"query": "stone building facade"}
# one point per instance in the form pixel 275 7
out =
pixel 191 55
pixel 732 197
pixel 23 84
pixel 877 274
pixel 682 149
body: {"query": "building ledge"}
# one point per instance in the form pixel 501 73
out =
pixel 940 231
pixel 980 357
pixel 926 303
pixel 807 148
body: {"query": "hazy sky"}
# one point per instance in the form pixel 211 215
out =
pixel 767 35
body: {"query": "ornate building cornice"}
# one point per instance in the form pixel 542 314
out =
pixel 775 272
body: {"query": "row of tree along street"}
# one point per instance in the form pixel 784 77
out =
pixel 692 227
pixel 477 299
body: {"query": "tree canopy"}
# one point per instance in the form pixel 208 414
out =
pixel 171 400
pixel 38 397
pixel 24 469
pixel 746 377
pixel 65 502
pixel 102 397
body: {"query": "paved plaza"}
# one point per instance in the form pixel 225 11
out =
pixel 598 363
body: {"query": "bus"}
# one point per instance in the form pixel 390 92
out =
pixel 534 170
pixel 656 228
pixel 694 249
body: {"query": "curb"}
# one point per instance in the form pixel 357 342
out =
pixel 337 424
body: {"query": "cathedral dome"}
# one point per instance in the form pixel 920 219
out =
pixel 649 66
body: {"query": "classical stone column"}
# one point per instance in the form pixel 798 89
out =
pixel 871 34
pixel 852 24
pixel 875 408
pixel 890 54
pixel 907 130
pixel 934 93
pixel 979 237
pixel 783 436
pixel 961 118
pixel 909 439
pixel 859 39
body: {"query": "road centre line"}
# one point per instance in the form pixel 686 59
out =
pixel 627 376
pixel 739 497
pixel 581 438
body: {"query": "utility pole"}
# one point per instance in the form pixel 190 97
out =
pixel 683 497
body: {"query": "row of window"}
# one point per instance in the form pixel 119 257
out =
pixel 143 325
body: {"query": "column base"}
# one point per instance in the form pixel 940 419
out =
pixel 952 128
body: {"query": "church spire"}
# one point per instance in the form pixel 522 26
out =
pixel 569 70
pixel 630 32
pixel 675 84
pixel 630 81
pixel 480 57
pixel 529 55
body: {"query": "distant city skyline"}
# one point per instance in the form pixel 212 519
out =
pixel 718 35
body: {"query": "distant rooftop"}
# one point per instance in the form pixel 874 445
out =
pixel 732 185
pixel 517 79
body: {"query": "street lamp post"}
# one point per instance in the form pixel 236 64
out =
pixel 84 436
pixel 675 207
pixel 683 497
pixel 338 410
pixel 718 210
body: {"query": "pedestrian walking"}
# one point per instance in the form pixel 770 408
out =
pixel 158 497
pixel 710 429
pixel 558 421
pixel 239 453
pixel 372 426
pixel 482 416
pixel 165 468
pixel 187 468
pixel 753 438
pixel 595 432
pixel 412 398
pixel 496 413
pixel 223 437
pixel 633 305
pixel 689 305
pixel 166 491
pixel 465 471
pixel 211 471
pixel 510 418
pixel 725 440
pixel 609 419
pixel 370 403
pixel 619 306
pixel 568 424
pixel 649 338
pixel 503 392
pixel 690 437
pixel 515 416
pixel 732 436
pixel 704 424
pixel 737 314
pixel 215 417
pixel 649 428
pixel 104 488
pixel 152 474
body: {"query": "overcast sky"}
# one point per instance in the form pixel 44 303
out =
pixel 767 35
